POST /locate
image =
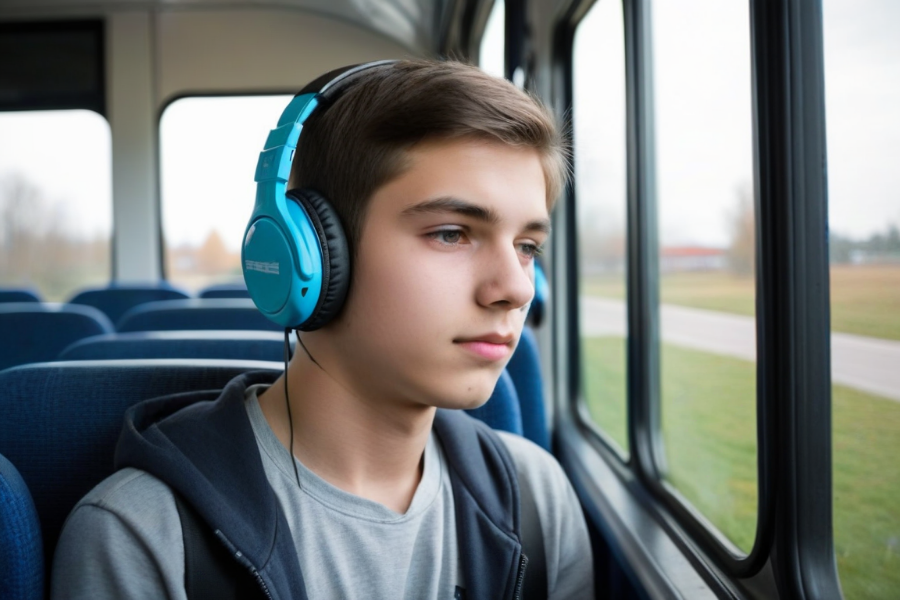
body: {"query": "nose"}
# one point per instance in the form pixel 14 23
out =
pixel 504 281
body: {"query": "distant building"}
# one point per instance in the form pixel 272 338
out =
pixel 692 258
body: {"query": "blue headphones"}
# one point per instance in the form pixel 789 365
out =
pixel 295 257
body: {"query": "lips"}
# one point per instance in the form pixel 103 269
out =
pixel 491 346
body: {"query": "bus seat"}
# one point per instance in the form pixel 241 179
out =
pixel 34 331
pixel 115 300
pixel 225 290
pixel 196 313
pixel 21 555
pixel 18 295
pixel 61 420
pixel 234 344
pixel 501 411
pixel 525 369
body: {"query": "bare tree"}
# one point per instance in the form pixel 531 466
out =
pixel 742 251
pixel 36 248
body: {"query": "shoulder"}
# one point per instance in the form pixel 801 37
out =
pixel 128 490
pixel 536 467
pixel 123 536
pixel 136 499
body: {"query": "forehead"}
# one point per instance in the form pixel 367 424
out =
pixel 507 179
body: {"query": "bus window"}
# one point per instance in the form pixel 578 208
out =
pixel 209 147
pixel 862 82
pixel 600 185
pixel 55 201
pixel 491 53
pixel 705 200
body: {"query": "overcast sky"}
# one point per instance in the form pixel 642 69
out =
pixel 209 146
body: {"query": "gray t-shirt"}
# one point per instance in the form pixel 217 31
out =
pixel 124 539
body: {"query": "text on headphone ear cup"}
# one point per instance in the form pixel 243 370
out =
pixel 335 256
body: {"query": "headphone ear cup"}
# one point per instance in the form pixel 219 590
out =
pixel 335 256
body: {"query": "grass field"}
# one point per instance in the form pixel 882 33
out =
pixel 708 421
pixel 865 299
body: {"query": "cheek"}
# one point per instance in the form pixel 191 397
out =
pixel 404 292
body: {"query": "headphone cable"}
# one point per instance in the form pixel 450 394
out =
pixel 287 399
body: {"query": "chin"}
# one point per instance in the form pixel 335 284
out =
pixel 465 393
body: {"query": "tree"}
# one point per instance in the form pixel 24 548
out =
pixel 36 249
pixel 742 251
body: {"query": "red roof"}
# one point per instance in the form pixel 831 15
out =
pixel 673 251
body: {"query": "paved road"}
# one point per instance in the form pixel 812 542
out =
pixel 868 364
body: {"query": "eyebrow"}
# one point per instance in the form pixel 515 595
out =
pixel 461 207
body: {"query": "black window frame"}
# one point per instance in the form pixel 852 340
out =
pixel 793 551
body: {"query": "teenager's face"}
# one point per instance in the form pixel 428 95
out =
pixel 444 275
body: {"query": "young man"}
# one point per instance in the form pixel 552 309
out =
pixel 442 177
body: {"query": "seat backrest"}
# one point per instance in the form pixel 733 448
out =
pixel 235 344
pixel 21 555
pixel 225 290
pixel 61 420
pixel 116 300
pixel 196 313
pixel 34 331
pixel 525 369
pixel 502 410
pixel 18 295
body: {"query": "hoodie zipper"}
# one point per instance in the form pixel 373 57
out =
pixel 520 577
pixel 239 556
pixel 260 581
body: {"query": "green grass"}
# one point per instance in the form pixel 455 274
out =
pixel 864 298
pixel 604 386
pixel 708 420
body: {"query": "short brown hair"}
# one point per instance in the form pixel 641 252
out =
pixel 359 144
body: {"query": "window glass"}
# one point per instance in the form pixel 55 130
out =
pixel 491 55
pixel 862 82
pixel 209 147
pixel 600 186
pixel 55 201
pixel 704 154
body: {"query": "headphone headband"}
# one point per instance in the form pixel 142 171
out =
pixel 333 83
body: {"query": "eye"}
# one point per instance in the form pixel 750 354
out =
pixel 447 237
pixel 531 250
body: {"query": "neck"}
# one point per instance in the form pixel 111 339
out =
pixel 369 446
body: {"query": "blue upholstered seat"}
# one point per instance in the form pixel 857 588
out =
pixel 225 290
pixel 116 300
pixel 525 369
pixel 196 313
pixel 19 295
pixel 34 331
pixel 21 554
pixel 61 420
pixel 502 410
pixel 235 344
